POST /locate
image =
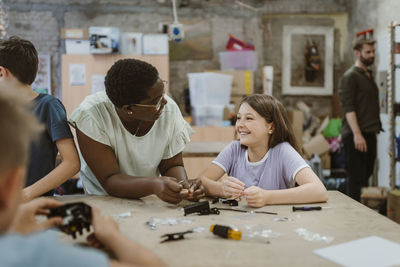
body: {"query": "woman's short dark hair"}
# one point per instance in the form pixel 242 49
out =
pixel 273 111
pixel 128 81
pixel 20 57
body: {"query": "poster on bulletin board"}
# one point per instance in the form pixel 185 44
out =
pixel 42 83
pixel 77 74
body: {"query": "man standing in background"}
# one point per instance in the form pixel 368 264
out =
pixel 359 97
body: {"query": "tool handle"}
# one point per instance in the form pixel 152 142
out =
pixel 306 208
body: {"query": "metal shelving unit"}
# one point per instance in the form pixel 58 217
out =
pixel 394 107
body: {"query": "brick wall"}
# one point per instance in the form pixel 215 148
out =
pixel 40 21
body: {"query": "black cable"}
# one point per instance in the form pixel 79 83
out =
pixel 264 212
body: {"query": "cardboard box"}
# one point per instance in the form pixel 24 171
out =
pixel 296 118
pixel 235 100
pixel 77 47
pixel 393 205
pixel 317 145
pixel 326 161
pixel 374 192
pixel 323 125
pixel 74 33
pixel 374 198
pixel 243 81
pixel 229 112
pixel 76 40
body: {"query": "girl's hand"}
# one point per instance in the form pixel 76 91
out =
pixel 232 187
pixel 255 196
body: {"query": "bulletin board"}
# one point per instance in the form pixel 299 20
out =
pixel 79 71
pixel 42 83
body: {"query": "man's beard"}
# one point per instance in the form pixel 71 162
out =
pixel 367 62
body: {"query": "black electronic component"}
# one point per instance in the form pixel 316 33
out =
pixel 175 236
pixel 230 202
pixel 202 208
pixel 76 217
pixel 306 208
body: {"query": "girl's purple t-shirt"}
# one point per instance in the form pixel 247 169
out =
pixel 276 170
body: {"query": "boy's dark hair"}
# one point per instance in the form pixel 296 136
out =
pixel 128 81
pixel 18 127
pixel 20 57
pixel 273 111
pixel 358 45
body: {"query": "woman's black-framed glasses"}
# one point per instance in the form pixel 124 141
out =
pixel 158 105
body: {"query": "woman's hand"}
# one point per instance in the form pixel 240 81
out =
pixel 169 190
pixel 194 188
pixel 232 187
pixel 255 196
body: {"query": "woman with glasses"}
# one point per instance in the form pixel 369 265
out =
pixel 131 137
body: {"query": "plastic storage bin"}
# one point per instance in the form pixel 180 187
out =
pixel 207 88
pixel 238 60
pixel 211 115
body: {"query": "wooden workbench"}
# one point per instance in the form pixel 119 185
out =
pixel 345 220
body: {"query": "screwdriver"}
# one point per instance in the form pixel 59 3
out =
pixel 225 232
pixel 307 208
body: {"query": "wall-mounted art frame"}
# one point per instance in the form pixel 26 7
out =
pixel 307 65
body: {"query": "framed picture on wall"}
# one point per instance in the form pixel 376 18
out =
pixel 307 65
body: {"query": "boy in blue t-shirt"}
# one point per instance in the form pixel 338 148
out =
pixel 18 69
pixel 21 243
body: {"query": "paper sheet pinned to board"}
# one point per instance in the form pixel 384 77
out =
pixel 370 251
pixel 77 74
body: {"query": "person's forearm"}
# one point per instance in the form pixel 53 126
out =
pixel 126 186
pixel 65 170
pixel 306 193
pixel 211 187
pixel 177 172
pixel 130 252
pixel 351 118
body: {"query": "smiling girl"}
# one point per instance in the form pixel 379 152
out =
pixel 265 163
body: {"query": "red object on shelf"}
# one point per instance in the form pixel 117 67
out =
pixel 367 34
pixel 235 44
pixel 397 48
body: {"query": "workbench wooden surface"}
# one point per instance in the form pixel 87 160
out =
pixel 345 220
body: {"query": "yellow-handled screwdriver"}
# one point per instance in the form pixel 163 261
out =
pixel 225 232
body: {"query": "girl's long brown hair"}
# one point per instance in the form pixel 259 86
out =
pixel 273 111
